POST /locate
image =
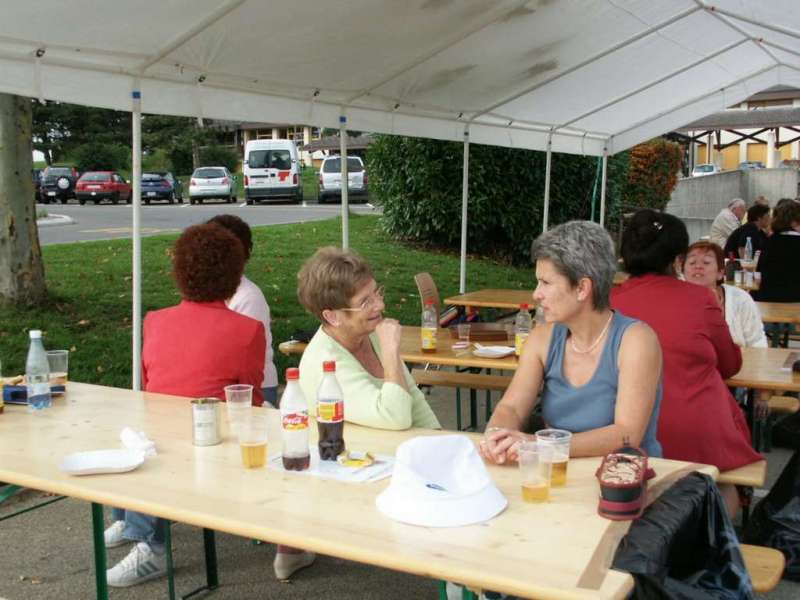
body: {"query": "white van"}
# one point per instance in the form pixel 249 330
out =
pixel 271 170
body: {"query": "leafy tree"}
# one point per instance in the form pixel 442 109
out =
pixel 97 156
pixel 21 268
pixel 216 155
pixel 59 128
pixel 652 173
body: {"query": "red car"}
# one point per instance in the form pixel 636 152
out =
pixel 102 185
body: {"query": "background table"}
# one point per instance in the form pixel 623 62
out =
pixel 558 550
pixel 761 369
pixel 493 298
pixel 779 312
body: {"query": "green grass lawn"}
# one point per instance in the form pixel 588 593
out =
pixel 89 310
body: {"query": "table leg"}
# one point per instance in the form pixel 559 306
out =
pixel 212 578
pixel 98 527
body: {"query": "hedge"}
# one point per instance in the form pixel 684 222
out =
pixel 418 184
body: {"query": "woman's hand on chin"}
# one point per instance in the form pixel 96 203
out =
pixel 389 334
pixel 499 445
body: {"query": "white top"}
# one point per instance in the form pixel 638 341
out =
pixel 743 318
pixel 249 301
pixel 723 226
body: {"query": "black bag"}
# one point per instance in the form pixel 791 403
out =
pixel 684 547
pixel 775 521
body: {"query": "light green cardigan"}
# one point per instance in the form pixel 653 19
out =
pixel 368 401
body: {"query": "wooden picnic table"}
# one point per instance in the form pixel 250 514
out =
pixel 779 312
pixel 208 487
pixel 505 298
pixel 761 369
pixel 493 298
pixel 445 355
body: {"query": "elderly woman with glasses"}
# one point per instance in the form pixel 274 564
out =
pixel 337 287
pixel 598 370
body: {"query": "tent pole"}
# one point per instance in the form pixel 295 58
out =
pixel 547 181
pixel 345 183
pixel 136 176
pixel 462 285
pixel 603 188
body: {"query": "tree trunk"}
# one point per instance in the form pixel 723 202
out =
pixel 21 267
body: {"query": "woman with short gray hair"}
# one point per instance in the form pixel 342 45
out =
pixel 599 371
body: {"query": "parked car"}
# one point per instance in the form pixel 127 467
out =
pixel 750 165
pixel 36 176
pixel 271 170
pixel 208 183
pixel 705 169
pixel 791 163
pixel 161 185
pixel 58 184
pixel 330 178
pixel 103 185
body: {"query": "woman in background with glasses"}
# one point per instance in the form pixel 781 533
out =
pixel 337 287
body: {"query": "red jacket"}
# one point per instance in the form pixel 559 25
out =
pixel 197 348
pixel 699 419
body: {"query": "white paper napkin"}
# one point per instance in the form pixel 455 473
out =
pixel 138 440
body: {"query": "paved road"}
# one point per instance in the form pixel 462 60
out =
pixel 109 221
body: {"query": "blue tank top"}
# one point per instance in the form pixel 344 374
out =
pixel 591 405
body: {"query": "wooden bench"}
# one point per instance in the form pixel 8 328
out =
pixel 753 475
pixel 765 566
pixel 474 381
pixel 783 405
pixel 471 381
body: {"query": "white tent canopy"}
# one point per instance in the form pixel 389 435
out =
pixel 596 73
pixel 587 77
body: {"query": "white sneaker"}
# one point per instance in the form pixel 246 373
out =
pixel 113 535
pixel 286 564
pixel 141 564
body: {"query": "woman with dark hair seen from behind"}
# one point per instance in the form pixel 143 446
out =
pixel 193 349
pixel 699 353
pixel 780 261
pixel 599 370
pixel 249 300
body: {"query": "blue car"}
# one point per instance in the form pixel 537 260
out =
pixel 161 185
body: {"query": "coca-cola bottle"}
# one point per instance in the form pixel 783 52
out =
pixel 330 413
pixel 294 424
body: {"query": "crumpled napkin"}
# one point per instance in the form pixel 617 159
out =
pixel 138 440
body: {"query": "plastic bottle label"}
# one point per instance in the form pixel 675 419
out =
pixel 295 421
pixel 330 412
pixel 519 341
pixel 428 338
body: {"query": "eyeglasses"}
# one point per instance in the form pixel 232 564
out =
pixel 368 302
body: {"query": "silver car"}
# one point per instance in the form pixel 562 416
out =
pixel 330 178
pixel 208 183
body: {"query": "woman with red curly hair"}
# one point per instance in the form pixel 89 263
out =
pixel 193 349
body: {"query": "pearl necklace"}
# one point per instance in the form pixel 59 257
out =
pixel 597 341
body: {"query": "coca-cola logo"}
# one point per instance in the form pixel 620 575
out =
pixel 295 421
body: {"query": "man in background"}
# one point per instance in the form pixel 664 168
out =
pixel 727 221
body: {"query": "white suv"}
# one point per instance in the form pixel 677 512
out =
pixel 211 182
pixel 330 178
pixel 705 169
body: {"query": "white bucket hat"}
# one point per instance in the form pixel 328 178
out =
pixel 440 481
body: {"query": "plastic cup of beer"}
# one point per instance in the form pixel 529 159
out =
pixel 253 441
pixel 534 471
pixel 559 441
pixel 239 400
pixel 58 361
